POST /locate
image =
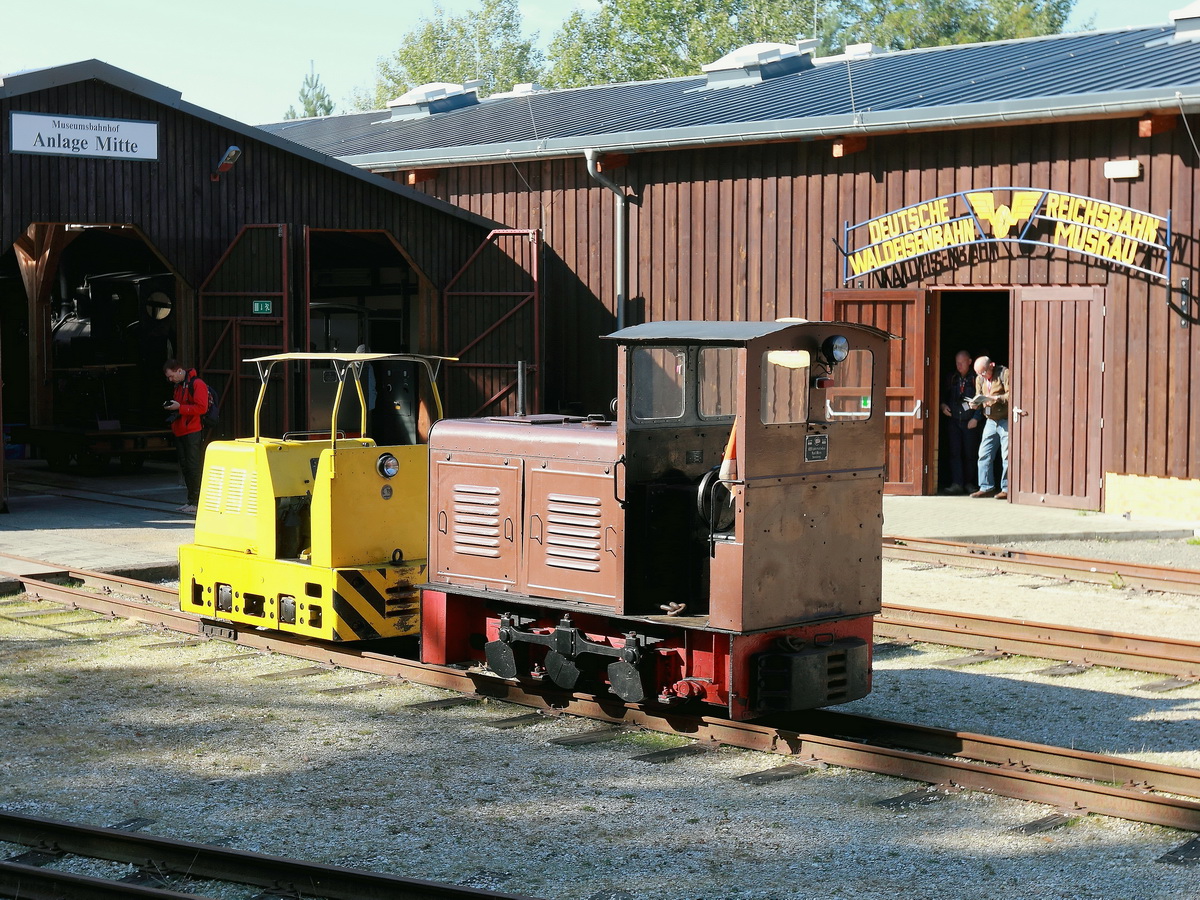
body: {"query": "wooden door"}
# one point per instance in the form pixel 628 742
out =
pixel 904 314
pixel 1057 379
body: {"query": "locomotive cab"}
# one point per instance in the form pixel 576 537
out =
pixel 318 534
pixel 719 541
pixel 768 439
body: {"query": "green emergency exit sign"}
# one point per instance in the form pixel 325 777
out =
pixel 262 307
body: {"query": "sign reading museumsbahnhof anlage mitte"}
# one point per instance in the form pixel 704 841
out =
pixel 75 136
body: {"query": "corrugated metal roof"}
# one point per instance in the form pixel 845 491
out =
pixel 1076 74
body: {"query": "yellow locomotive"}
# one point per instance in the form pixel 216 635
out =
pixel 318 535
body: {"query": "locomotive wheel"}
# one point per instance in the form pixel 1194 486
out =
pixel 712 492
pixel 502 659
pixel 626 681
pixel 562 671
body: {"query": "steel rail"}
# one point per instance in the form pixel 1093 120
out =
pixel 1030 562
pixel 99 580
pixel 1015 769
pixel 35 883
pixel 1141 653
pixel 168 856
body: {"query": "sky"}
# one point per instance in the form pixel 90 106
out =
pixel 247 59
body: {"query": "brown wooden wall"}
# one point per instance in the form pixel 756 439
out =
pixel 191 221
pixel 748 232
pixel 188 218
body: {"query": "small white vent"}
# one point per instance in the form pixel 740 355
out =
pixel 435 97
pixel 758 62
pixel 859 51
pixel 230 491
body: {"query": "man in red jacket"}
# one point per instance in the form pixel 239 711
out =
pixel 189 404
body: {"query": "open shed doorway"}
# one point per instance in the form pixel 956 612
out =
pixel 364 293
pixel 976 321
pixel 88 317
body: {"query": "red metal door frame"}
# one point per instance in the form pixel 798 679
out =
pixel 522 301
pixel 229 330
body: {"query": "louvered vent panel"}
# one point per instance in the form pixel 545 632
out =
pixel 476 520
pixel 573 532
pixel 214 488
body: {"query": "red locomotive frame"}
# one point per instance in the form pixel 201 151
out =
pixel 720 541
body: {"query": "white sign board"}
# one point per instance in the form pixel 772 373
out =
pixel 74 136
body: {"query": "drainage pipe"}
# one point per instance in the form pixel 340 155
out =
pixel 620 238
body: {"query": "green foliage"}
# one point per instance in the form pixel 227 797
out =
pixel 642 40
pixel 314 99
pixel 485 44
pixel 894 25
pixel 636 40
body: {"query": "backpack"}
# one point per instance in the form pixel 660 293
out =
pixel 211 417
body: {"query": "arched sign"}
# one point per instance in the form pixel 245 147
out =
pixel 1010 215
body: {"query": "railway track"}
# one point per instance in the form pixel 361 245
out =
pixel 1030 562
pixel 165 864
pixel 1072 781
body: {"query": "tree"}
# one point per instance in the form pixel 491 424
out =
pixel 640 40
pixel 485 44
pixel 314 99
pixel 931 23
pixel 635 40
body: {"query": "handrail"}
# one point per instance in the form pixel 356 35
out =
pixel 914 413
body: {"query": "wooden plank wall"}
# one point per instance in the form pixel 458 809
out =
pixel 189 219
pixel 746 233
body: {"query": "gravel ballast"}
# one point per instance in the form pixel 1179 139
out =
pixel 99 731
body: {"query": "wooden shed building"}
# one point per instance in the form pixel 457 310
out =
pixel 1030 200
pixel 135 226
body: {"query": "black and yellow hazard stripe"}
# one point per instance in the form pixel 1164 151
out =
pixel 376 602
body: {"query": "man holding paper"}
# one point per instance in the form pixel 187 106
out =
pixel 991 395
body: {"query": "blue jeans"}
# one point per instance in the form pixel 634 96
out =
pixel 995 437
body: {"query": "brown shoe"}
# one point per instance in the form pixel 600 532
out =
pixel 1003 495
pixel 985 494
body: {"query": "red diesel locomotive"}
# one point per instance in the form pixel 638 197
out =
pixel 720 541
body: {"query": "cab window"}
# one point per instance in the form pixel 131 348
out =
pixel 718 382
pixel 798 388
pixel 658 379
pixel 785 376
pixel 848 397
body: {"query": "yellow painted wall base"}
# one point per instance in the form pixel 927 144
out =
pixel 1147 495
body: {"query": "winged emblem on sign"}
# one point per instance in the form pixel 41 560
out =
pixel 1003 218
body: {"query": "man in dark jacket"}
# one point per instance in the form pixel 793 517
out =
pixel 189 403
pixel 964 429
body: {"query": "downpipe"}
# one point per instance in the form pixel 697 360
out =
pixel 620 238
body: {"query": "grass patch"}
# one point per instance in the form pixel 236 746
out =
pixel 653 740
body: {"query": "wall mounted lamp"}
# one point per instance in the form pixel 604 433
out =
pixel 232 155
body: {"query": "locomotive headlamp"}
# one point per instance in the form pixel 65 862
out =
pixel 835 349
pixel 388 466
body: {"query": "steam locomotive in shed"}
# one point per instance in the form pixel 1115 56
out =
pixel 718 542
